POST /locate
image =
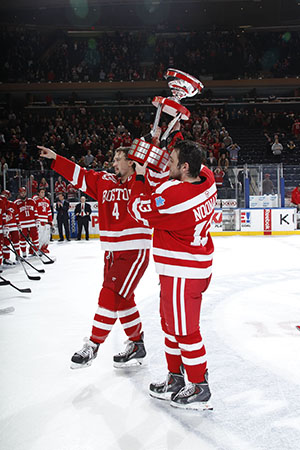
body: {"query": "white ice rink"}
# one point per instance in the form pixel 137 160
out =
pixel 248 324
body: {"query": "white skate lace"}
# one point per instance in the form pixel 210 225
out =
pixel 87 349
pixel 188 390
pixel 128 348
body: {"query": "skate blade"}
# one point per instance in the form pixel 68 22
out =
pixel 197 406
pixel 75 366
pixel 131 363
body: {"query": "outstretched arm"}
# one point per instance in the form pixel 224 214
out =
pixel 46 152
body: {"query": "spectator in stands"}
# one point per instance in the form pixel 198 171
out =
pixel 234 153
pixel 32 186
pixel 88 159
pixel 219 175
pixel 60 186
pixel 211 161
pixel 296 128
pixel 223 162
pixel 276 146
pixel 291 146
pixel 268 186
pixel 43 184
pixel 295 199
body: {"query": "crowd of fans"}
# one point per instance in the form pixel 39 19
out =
pixel 89 138
pixel 31 55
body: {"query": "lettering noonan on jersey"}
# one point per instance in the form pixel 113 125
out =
pixel 116 194
pixel 205 209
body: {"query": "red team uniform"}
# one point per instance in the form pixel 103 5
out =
pixel 11 227
pixel 180 214
pixel 3 204
pixel 28 218
pixel 45 221
pixel 126 244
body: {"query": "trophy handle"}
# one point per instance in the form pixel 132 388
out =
pixel 163 141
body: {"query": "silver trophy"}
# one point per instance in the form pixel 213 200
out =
pixel 182 85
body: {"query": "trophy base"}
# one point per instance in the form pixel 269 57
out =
pixel 142 151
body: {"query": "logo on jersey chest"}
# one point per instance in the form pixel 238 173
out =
pixel 116 194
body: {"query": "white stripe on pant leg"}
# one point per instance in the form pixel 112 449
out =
pixel 129 273
pixel 102 325
pixel 193 361
pixel 182 307
pixel 172 351
pixel 136 272
pixel 132 323
pixel 106 313
pixel 175 306
pixel 143 252
pixel 171 338
pixel 127 312
pixel 191 347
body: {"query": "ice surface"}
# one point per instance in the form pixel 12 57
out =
pixel 248 324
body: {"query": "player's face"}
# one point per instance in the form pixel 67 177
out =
pixel 42 194
pixel 122 166
pixel 175 170
pixel 23 195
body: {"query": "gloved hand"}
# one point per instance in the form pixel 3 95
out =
pixel 5 231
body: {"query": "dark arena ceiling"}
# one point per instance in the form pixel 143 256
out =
pixel 168 14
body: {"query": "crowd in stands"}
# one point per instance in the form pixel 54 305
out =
pixel 31 55
pixel 89 138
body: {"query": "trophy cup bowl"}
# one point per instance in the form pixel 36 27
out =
pixel 182 85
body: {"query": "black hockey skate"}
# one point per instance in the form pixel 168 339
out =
pixel 85 356
pixel 193 396
pixel 8 262
pixel 173 384
pixel 133 355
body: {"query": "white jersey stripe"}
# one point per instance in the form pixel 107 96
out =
pixel 127 312
pixel 125 232
pixel 182 307
pixel 172 351
pixel 106 313
pixel 191 347
pixel 191 203
pixel 133 244
pixel 184 272
pixel 181 255
pixel 121 291
pixel 75 175
pixel 166 185
pixel 136 272
pixel 193 361
pixel 175 312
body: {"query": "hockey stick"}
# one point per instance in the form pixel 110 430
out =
pixel 36 253
pixel 6 282
pixel 21 259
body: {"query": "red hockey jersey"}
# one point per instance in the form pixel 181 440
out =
pixel 3 205
pixel 11 218
pixel 43 210
pixel 27 212
pixel 118 230
pixel 180 214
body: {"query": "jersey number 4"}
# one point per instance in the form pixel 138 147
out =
pixel 115 212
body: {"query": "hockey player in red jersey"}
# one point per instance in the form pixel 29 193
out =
pixel 45 219
pixel 3 204
pixel 126 244
pixel 28 218
pixel 180 211
pixel 11 229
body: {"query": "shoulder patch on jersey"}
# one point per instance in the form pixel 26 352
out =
pixel 160 201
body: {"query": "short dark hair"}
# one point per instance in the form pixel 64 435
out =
pixel 192 153
pixel 125 150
